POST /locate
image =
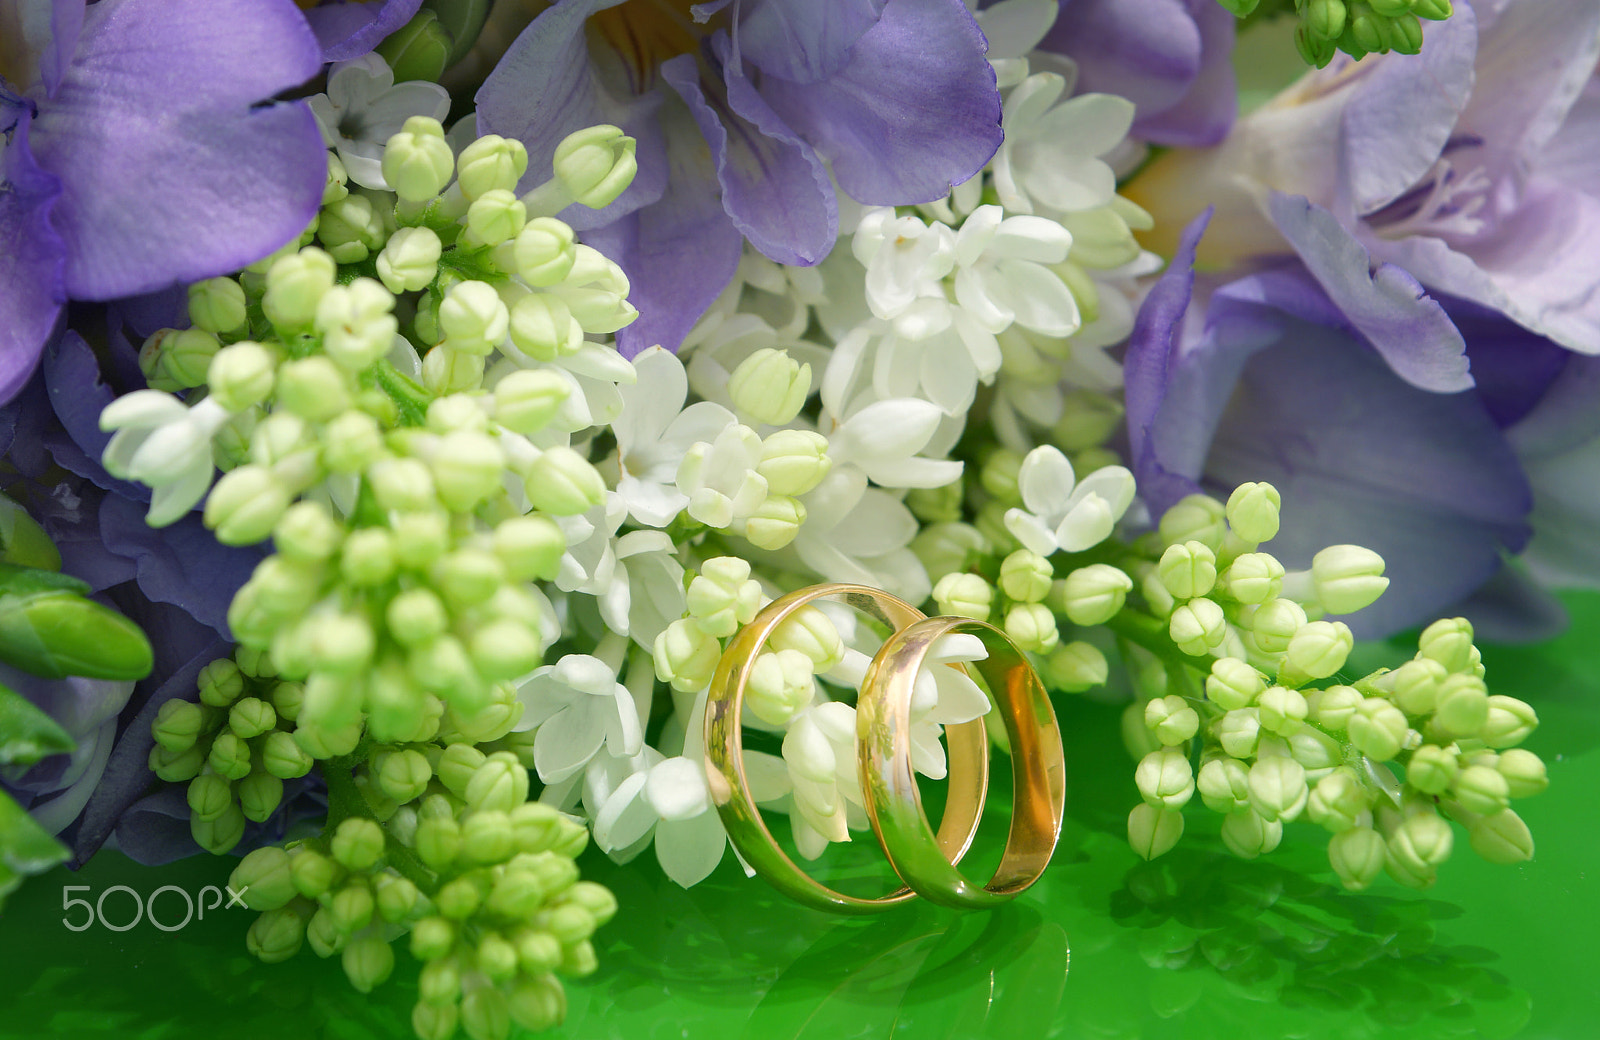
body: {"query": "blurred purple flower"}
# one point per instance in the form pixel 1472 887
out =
pixel 137 153
pixel 347 29
pixel 1267 378
pixel 1471 165
pixel 1169 57
pixel 740 115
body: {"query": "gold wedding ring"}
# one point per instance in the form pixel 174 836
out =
pixel 883 725
pixel 730 787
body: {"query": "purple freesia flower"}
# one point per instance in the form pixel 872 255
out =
pixel 137 154
pixel 1169 57
pixel 745 116
pixel 347 29
pixel 1267 378
pixel 1471 165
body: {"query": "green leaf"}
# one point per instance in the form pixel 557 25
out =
pixel 23 541
pixel 24 581
pixel 54 634
pixel 25 847
pixel 26 733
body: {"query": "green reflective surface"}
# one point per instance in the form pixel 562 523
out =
pixel 1195 945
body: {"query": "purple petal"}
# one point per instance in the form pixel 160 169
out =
pixel 79 394
pixel 1512 608
pixel 546 87
pixel 803 40
pixel 1204 114
pixel 127 773
pixel 1388 307
pixel 168 173
pixel 1404 110
pixel 1148 51
pixel 773 185
pixel 1513 368
pixel 155 829
pixel 32 258
pixel 679 254
pixel 914 111
pixel 349 30
pixel 1573 157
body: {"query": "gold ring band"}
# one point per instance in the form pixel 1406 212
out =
pixel 730 788
pixel 893 802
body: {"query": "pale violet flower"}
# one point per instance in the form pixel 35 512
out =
pixel 579 708
pixel 1061 512
pixel 655 432
pixel 364 107
pixel 165 445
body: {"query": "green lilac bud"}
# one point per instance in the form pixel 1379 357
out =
pixel 555 869
pixel 416 616
pixel 579 960
pixel 1252 510
pixel 432 938
pixel 1390 8
pixel 999 475
pixel 352 906
pixel 230 757
pixel 368 962
pixel 368 558
pixel 1357 855
pixel 220 683
pixel 1433 10
pixel 1501 838
pixel 1482 789
pixel 538 952
pixel 1462 708
pixel 809 631
pixel 245 505
pixel 529 547
pixel 1318 649
pixel 496 958
pixel 770 386
pixel 321 739
pixel 397 897
pixel 1224 784
pixel 1188 570
pixel 420 538
pixel 1025 577
pixel 1377 729
pixel 945 548
pixel 595 165
pixel 307 533
pixel 1347 578
pixel 1524 772
pixel 295 285
pixel 176 768
pixel 563 483
pixel 544 253
pixel 358 843
pixel 516 894
pixel 1199 518
pixel 1254 578
pixel 251 717
pixel 410 260
pixel 467 577
pixel 1165 778
pixel 1277 788
pixel 1076 666
pixel 217 305
pixel 597 899
pixel 1233 683
pixel 404 775
pixel 486 1014
pixel 491 163
pixel 350 228
pixel 1415 685
pixel 276 935
pixel 496 216
pixel 473 318
pixel 1032 627
pixel 1171 720
pixel 283 758
pixel 1153 831
pixel 1405 34
pixel 1448 641
pixel 1248 835
pixel 1432 769
pixel 1325 18
pixel 538 1003
pixel 1088 419
pixel 457 765
pixel 1337 801
pixel 467 469
pixel 1509 722
pixel 525 401
pixel 1421 843
pixel 723 595
pixel 177 726
pixel 1238 731
pixel 780 684
pixel 264 879
pixel 435 1021
pixel 1197 627
pixel 543 328
pixel 794 462
pixel 220 834
pixel 500 785
pixel 1275 623
pixel 312 873
pixel 570 923
pixel 439 982
pixel 438 841
pixel 775 522
pixel 443 666
pixel 459 899
pixel 686 655
pixel 178 359
pixel 351 442
pixel 402 485
pixel 342 644
pixel 259 796
pixel 417 162
pixel 1332 708
pixel 963 594
pixel 1282 710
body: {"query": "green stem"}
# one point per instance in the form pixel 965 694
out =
pixel 411 399
pixel 345 800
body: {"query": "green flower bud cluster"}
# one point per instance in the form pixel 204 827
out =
pixel 720 598
pixel 1356 27
pixel 233 748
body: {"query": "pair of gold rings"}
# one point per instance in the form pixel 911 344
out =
pixel 926 862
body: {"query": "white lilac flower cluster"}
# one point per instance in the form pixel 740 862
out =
pixel 463 480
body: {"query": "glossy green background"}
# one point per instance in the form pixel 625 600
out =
pixel 1195 945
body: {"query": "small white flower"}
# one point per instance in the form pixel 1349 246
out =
pixel 854 533
pixel 720 479
pixel 1061 512
pixel 1051 154
pixel 820 751
pixel 655 432
pixel 579 708
pixel 364 107
pixel 164 445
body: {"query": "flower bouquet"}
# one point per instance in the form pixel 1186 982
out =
pixel 441 438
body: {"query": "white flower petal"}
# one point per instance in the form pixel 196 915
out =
pixel 1045 480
